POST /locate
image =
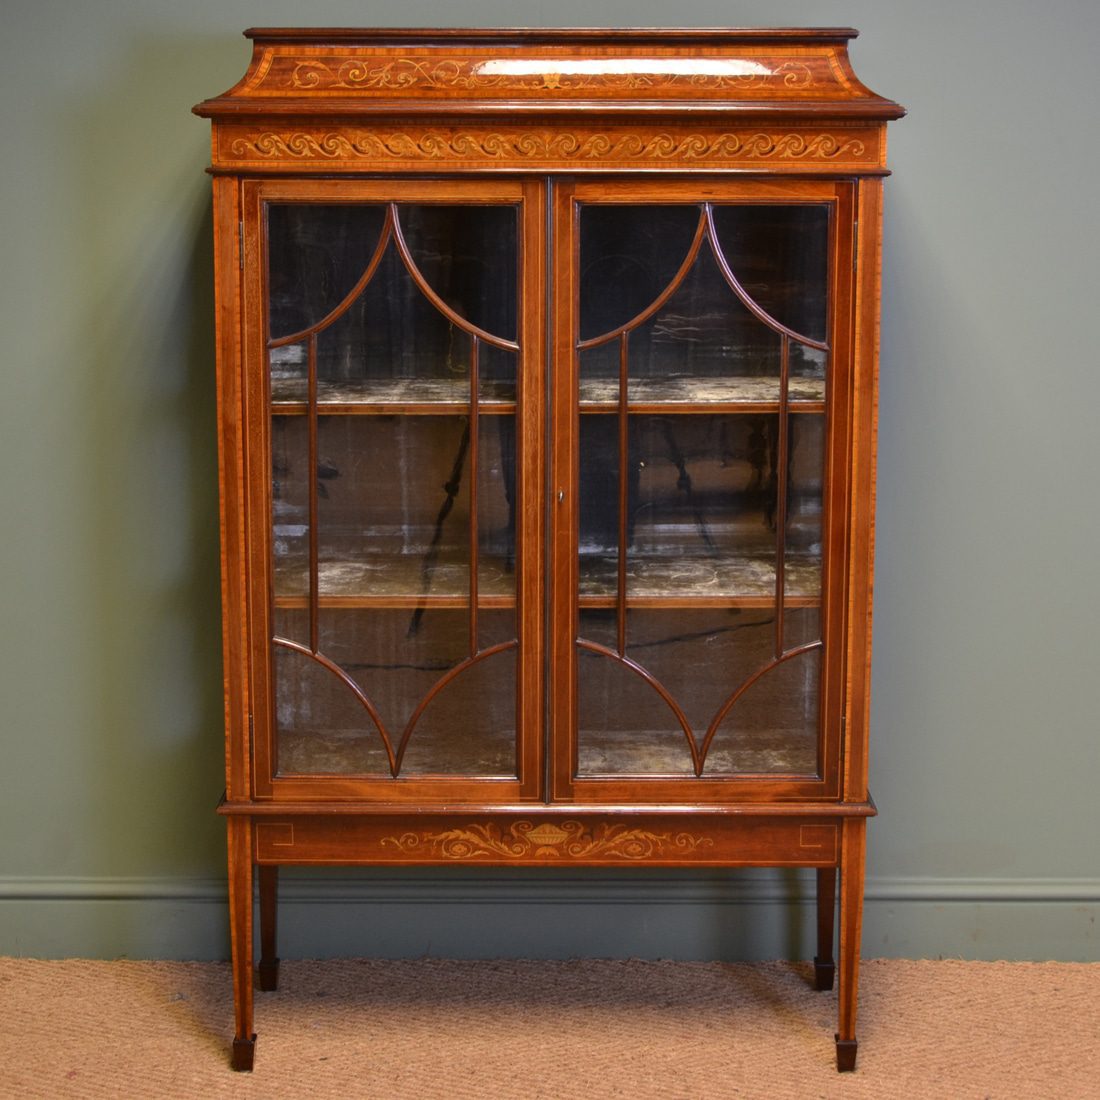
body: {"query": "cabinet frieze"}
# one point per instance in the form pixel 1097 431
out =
pixel 545 148
pixel 535 840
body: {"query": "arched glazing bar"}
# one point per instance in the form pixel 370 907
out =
pixel 426 289
pixel 662 691
pixel 353 687
pixel 438 686
pixel 758 311
pixel 731 699
pixel 673 285
pixel 348 300
pixel 705 230
pixel 391 229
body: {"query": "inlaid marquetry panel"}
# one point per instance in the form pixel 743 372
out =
pixel 775 71
pixel 548 840
pixel 546 148
pixel 582 839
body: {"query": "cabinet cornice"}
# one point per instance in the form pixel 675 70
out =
pixel 737 73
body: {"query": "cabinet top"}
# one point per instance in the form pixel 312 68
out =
pixel 749 73
pixel 527 35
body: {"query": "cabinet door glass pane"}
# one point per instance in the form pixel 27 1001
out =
pixel 702 389
pixel 392 354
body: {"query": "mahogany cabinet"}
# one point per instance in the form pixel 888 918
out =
pixel 546 376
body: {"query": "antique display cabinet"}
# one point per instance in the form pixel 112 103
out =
pixel 547 375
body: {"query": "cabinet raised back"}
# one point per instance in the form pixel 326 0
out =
pixel 546 375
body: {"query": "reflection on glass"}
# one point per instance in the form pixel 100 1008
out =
pixel 702 343
pixel 391 654
pixel 803 532
pixel 392 343
pixel 418 525
pixel 704 332
pixel 629 254
pixel 400 536
pixel 396 658
pixel 316 255
pixel 701 505
pixel 468 256
pixel 290 507
pixel 807 364
pixel 701 495
pixel 773 726
pixel 780 255
pixel 469 727
pixel 698 657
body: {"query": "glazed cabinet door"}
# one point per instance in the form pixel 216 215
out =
pixel 395 399
pixel 701 368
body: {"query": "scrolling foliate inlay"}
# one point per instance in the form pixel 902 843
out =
pixel 549 840
pixel 534 146
pixel 543 74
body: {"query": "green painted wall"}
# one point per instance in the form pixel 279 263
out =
pixel 986 744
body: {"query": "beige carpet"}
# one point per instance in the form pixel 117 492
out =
pixel 425 1029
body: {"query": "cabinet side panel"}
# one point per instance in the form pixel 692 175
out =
pixel 231 484
pixel 862 508
pixel 257 517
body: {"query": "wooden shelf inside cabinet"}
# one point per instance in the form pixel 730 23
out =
pixel 429 397
pixel 687 581
pixel 702 396
pixel 547 392
pixel 398 581
pixel 392 397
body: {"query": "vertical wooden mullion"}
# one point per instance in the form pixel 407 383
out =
pixel 474 440
pixel 624 456
pixel 781 489
pixel 314 602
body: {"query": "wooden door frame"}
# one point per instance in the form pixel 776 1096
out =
pixel 529 196
pixel 564 785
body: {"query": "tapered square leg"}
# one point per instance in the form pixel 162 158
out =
pixel 240 932
pixel 824 966
pixel 269 907
pixel 852 855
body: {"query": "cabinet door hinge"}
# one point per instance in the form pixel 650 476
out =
pixel 251 735
pixel 240 244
